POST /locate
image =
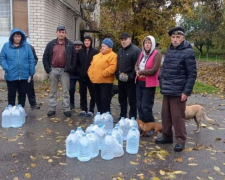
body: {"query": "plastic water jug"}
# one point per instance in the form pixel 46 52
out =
pixel 22 113
pixel 6 118
pixel 118 148
pixel 72 145
pixel 16 119
pixel 108 145
pixel 118 126
pixel 79 132
pixel 132 144
pixel 101 133
pixel 84 148
pixel 89 129
pixel 133 122
pixel 125 126
pixel 116 133
pixel 94 144
pixel 108 122
pixel 97 119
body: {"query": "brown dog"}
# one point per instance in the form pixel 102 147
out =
pixel 197 112
pixel 146 127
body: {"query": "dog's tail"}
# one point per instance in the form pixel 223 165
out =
pixel 208 119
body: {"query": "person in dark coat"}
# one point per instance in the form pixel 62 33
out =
pixel 177 78
pixel 85 56
pixel 127 57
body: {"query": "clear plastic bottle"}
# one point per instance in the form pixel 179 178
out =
pixel 133 122
pixel 84 148
pixel 79 132
pixel 108 122
pixel 116 133
pixel 6 118
pixel 72 145
pixel 125 126
pixel 22 113
pixel 118 148
pixel 132 144
pixel 89 129
pixel 16 117
pixel 97 119
pixel 108 146
pixel 94 144
pixel 117 125
pixel 100 132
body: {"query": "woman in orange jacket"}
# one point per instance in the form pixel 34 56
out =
pixel 101 73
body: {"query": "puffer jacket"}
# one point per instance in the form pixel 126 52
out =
pixel 18 62
pixel 103 67
pixel 178 73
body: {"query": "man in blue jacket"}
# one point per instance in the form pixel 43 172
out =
pixel 17 60
pixel 177 79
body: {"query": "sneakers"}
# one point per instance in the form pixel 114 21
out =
pixel 89 114
pixel 50 113
pixel 82 113
pixel 35 106
pixel 67 113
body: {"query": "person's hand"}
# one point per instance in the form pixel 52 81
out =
pixel 183 97
pixel 142 76
pixel 137 73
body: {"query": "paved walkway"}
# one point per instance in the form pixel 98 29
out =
pixel 37 150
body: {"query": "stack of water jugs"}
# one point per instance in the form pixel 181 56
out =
pixel 13 116
pixel 102 136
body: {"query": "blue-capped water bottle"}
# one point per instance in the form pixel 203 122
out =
pixel 84 148
pixel 97 119
pixel 116 133
pixel 108 122
pixel 6 118
pixel 133 122
pixel 72 145
pixel 132 144
pixel 125 126
pixel 79 132
pixel 94 144
pixel 16 117
pixel 100 132
pixel 108 144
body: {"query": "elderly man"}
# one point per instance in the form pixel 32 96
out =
pixel 59 60
pixel 126 60
pixel 17 60
pixel 177 78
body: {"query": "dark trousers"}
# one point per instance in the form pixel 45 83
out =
pixel 84 84
pixel 72 90
pixel 102 93
pixel 173 114
pixel 13 87
pixel 145 101
pixel 127 91
pixel 31 93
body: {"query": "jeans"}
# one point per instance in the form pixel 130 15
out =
pixel 145 101
pixel 56 75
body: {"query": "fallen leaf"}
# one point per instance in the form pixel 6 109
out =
pixel 56 157
pixel 205 171
pixel 180 159
pixel 224 164
pixel 188 149
pixel 32 158
pixel 210 128
pixel 63 164
pixel 33 165
pixel 203 125
pixel 216 168
pixel 192 164
pixel 155 178
pixel 211 178
pixel 27 175
pixel 179 172
pixel 45 157
pixel 134 163
pixel 217 139
pixel 162 173
pixel 15 178
pixel 50 160
pixel 191 159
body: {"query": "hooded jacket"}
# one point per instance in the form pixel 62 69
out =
pixel 84 59
pixel 178 73
pixel 151 63
pixel 70 55
pixel 18 62
pixel 103 67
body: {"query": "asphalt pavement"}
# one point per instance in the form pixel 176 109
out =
pixel 36 151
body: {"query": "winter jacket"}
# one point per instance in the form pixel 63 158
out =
pixel 126 60
pixel 18 62
pixel 70 55
pixel 84 60
pixel 178 73
pixel 103 67
pixel 152 65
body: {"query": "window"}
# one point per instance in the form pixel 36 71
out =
pixel 5 18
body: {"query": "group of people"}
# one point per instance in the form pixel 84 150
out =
pixel 137 70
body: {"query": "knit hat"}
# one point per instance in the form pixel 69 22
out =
pixel 108 42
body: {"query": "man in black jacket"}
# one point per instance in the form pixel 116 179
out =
pixel 85 56
pixel 59 60
pixel 126 60
pixel 177 78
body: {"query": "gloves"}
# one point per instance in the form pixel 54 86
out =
pixel 123 77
